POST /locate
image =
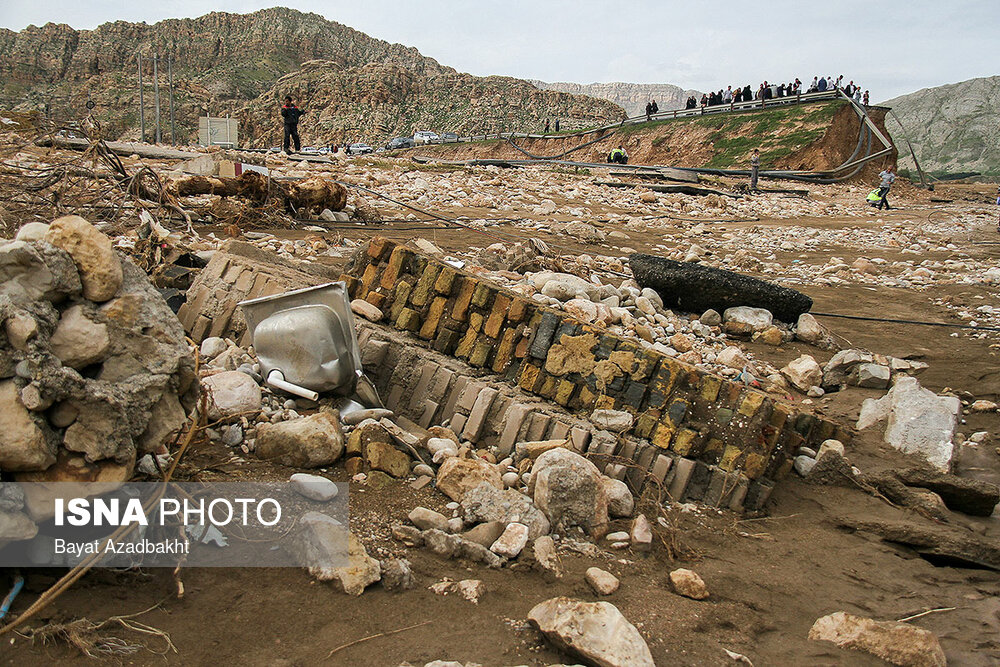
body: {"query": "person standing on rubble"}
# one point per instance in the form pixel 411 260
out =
pixel 754 169
pixel 290 115
pixel 883 188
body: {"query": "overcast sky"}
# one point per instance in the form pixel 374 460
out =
pixel 891 47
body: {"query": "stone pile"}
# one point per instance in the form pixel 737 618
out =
pixel 94 365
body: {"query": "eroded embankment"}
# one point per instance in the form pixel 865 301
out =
pixel 812 137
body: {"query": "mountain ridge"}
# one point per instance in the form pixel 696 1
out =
pixel 952 127
pixel 630 96
pixel 223 62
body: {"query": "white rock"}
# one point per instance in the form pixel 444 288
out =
pixel 830 445
pixel 78 341
pixel 803 372
pixel 620 500
pixel 512 541
pixel 582 309
pixel 92 252
pixel 896 643
pixel 595 631
pixel 808 330
pixel 366 310
pixel 602 581
pixel 689 584
pixel 212 347
pixel 616 421
pixel 732 357
pixel 23 445
pixel 231 393
pixel 918 421
pixel 757 319
pixel 32 231
pixel 427 519
pixel 314 487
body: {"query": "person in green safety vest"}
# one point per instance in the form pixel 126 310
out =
pixel 873 197
pixel 618 156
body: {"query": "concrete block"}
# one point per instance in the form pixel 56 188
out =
pixel 683 469
pixel 477 416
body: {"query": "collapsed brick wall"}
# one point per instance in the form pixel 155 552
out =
pixel 702 418
pixel 237 272
pixel 430 388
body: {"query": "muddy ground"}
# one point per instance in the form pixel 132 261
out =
pixel 770 577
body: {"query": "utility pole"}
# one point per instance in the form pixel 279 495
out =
pixel 170 80
pixel 142 106
pixel 156 98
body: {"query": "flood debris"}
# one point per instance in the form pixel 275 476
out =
pixel 696 288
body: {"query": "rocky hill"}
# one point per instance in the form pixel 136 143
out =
pixel 630 96
pixel 953 128
pixel 376 101
pixel 222 62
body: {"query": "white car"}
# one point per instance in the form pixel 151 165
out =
pixel 426 137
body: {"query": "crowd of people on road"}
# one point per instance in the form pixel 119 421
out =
pixel 767 91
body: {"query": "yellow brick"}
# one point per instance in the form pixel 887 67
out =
pixel 391 273
pixel 587 398
pixel 528 377
pixel 751 403
pixel 429 329
pixel 460 311
pixel 730 458
pixel 564 392
pixel 497 316
pixel 464 348
pixel 661 437
pixel 604 402
pixel 368 277
pixel 481 352
pixel 754 465
pixel 710 386
pixel 445 280
pixel 476 322
pixel 505 350
pixel 684 441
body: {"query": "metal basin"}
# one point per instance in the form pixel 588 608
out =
pixel 308 336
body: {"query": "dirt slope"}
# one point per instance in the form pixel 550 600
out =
pixel 809 137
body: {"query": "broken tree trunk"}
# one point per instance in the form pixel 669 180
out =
pixel 311 194
pixel 696 288
pixel 124 148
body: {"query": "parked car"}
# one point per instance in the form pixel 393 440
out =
pixel 400 142
pixel 360 149
pixel 449 136
pixel 426 137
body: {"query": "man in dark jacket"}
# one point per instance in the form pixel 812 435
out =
pixel 290 114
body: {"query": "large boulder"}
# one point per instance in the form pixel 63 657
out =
pixel 570 490
pixel 595 631
pixel 457 476
pixel 918 421
pixel 486 503
pixel 331 553
pixel 803 372
pixel 744 320
pixel 564 286
pixel 896 643
pixel 33 271
pixel 231 394
pixel 78 341
pixel 93 253
pixel 309 442
pixel 23 445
